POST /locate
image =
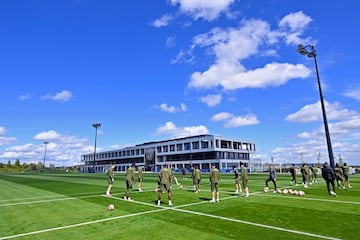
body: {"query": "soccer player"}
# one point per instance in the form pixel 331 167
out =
pixel 129 180
pixel 244 179
pixel 165 180
pixel 237 182
pixel 345 169
pixel 140 178
pixel 339 174
pixel 329 177
pixel 192 177
pixel 110 177
pixel 314 171
pixel 183 171
pixel 293 174
pixel 197 179
pixel 214 183
pixel 272 177
pixel 304 173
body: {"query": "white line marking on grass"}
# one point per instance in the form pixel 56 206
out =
pixel 162 208
pixel 254 224
pixel 230 219
pixel 47 200
pixel 49 196
pixel 81 224
pixel 304 198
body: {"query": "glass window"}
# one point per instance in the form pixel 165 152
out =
pixel 179 147
pixel 172 148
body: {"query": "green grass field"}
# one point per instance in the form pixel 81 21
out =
pixel 73 206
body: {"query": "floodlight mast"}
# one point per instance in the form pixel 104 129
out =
pixel 312 54
pixel 45 143
pixel 96 126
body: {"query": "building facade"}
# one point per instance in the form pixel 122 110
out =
pixel 179 153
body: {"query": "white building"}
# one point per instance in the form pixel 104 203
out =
pixel 179 153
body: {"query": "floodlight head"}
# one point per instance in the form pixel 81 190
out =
pixel 302 50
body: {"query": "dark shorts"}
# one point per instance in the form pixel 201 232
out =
pixel 110 180
pixel 244 183
pixel 214 187
pixel 165 187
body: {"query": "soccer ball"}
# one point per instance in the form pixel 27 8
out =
pixel 285 191
pixel 181 186
pixel 301 193
pixel 111 207
pixel 291 191
pixel 266 189
pixel 278 191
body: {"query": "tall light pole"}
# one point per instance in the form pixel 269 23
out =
pixel 312 54
pixel 45 143
pixel 96 126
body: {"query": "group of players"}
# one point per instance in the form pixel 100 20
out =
pixel 166 177
pixel 340 174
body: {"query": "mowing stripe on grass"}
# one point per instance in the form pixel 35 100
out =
pixel 178 208
pixel 49 196
pixel 254 224
pixel 80 224
pixel 47 200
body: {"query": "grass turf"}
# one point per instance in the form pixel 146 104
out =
pixel 73 206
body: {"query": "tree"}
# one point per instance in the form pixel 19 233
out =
pixel 17 163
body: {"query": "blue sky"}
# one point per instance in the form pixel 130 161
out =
pixel 152 70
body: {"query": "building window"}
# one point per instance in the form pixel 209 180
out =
pixel 172 148
pixel 179 147
pixel 158 149
pixel 195 145
pixel 204 144
pixel 187 146
pixel 165 148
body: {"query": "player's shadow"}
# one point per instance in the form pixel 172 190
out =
pixel 204 198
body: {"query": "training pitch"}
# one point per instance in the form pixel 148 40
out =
pixel 73 206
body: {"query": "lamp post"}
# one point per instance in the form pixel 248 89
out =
pixel 45 143
pixel 96 126
pixel 312 54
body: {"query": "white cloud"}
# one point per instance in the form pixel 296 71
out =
pixel 62 149
pixel 171 42
pixel 232 121
pixel 2 130
pixel 5 140
pixel 205 9
pixel 313 112
pixel 169 128
pixel 211 100
pixel 172 109
pixel 233 45
pixel 49 135
pixel 62 96
pixel 295 21
pixel 353 93
pixel 25 97
pixel 221 116
pixel 163 21
pixel 239 121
